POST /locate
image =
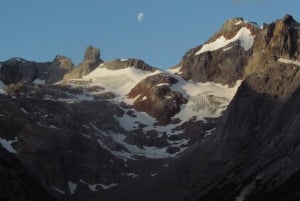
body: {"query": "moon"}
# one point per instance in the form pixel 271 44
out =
pixel 140 17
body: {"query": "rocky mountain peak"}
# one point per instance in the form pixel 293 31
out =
pixel 92 55
pixel 91 61
pixel 277 42
pixel 288 20
pixel 223 57
pixel 231 27
pixel 64 62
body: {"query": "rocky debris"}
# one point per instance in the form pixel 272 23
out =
pixel 154 96
pixel 224 65
pixel 125 63
pixel 91 61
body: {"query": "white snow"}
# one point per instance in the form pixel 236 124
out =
pixel 123 59
pixel 93 187
pixel 154 175
pixel 133 150
pixel 243 35
pixel 2 85
pixel 239 22
pixel 144 98
pixel 162 84
pixel 72 187
pixel 204 100
pixel 39 81
pixel 199 93
pixel 227 48
pixel 175 70
pixel 58 190
pixel 288 61
pixel 120 82
pixel 24 111
pixel 131 174
pixel 209 132
pixel 7 144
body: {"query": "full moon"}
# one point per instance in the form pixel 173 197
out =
pixel 140 17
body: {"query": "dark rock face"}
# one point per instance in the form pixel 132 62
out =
pixel 255 152
pixel 225 65
pixel 19 70
pixel 255 155
pixel 91 61
pixel 17 184
pixel 157 100
pixel 58 68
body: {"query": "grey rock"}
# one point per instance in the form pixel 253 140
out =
pixel 121 64
pixel 91 61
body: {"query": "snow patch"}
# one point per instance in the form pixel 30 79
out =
pixel 288 61
pixel 72 187
pixel 243 35
pixel 144 98
pixel 175 70
pixel 2 85
pixel 131 151
pixel 227 48
pixel 162 84
pixel 39 81
pixel 119 82
pixel 58 190
pixel 94 187
pixel 239 22
pixel 209 132
pixel 131 174
pixel 7 144
pixel 24 111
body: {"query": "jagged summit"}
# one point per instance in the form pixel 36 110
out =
pixel 223 57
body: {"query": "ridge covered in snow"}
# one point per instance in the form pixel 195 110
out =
pixel 244 36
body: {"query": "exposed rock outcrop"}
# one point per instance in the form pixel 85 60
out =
pixel 224 65
pixel 19 70
pixel 91 61
pixel 154 96
pixel 125 63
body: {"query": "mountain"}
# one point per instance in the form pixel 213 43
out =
pixel 223 124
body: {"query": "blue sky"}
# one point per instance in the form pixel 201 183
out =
pixel 41 29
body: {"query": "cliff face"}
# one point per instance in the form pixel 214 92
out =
pixel 222 58
pixel 258 136
pixel 91 61
pixel 19 70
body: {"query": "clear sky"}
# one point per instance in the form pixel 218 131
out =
pixel 41 29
